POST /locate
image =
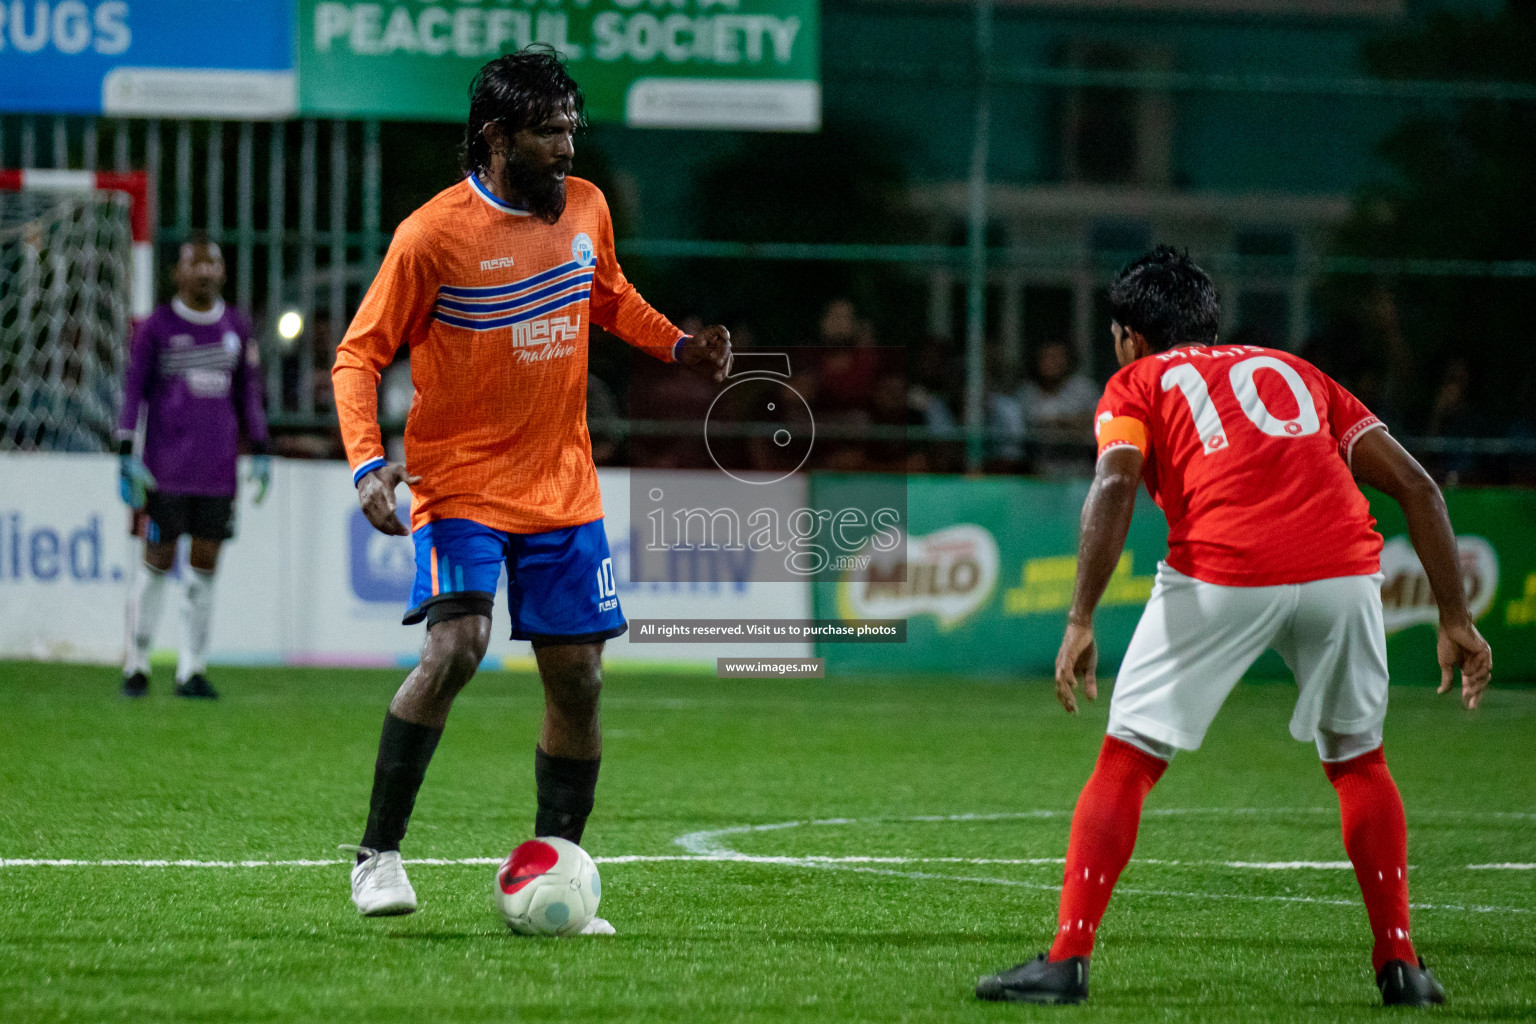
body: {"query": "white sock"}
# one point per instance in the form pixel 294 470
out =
pixel 145 599
pixel 196 616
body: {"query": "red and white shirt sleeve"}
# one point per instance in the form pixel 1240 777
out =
pixel 1123 415
pixel 1348 418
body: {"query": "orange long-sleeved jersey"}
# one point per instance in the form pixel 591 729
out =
pixel 494 304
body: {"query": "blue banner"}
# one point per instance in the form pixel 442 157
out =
pixel 152 58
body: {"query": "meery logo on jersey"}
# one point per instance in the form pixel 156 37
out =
pixel 549 329
pixel 498 263
pixel 541 340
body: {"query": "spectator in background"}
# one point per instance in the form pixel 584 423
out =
pixel 1005 417
pixel 937 374
pixel 929 410
pixel 1453 415
pixel 1361 345
pixel 1383 328
pixel 743 335
pixel 1058 405
pixel 848 362
pixel 890 411
pixel 658 395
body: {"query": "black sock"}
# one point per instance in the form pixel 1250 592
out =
pixel 405 750
pixel 566 786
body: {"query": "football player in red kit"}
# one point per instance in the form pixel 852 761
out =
pixel 1253 456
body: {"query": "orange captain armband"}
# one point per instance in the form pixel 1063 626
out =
pixel 1119 432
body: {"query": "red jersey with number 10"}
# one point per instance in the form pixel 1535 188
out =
pixel 1247 455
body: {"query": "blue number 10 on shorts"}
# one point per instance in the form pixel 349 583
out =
pixel 560 584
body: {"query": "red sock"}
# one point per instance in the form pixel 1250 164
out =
pixel 1376 839
pixel 1103 835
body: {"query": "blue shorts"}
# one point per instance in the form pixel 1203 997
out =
pixel 560 584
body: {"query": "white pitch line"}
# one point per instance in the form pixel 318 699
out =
pixel 706 842
pixel 856 864
pixel 644 858
pixel 60 862
pixel 1014 883
pixel 52 862
pixel 1288 865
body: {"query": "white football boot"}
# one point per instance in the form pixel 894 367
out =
pixel 597 926
pixel 379 885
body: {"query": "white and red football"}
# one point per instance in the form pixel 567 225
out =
pixel 548 886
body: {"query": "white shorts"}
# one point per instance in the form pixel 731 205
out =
pixel 1195 640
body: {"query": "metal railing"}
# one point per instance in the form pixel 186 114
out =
pixel 298 208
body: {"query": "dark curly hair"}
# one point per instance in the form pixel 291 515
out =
pixel 518 90
pixel 1167 299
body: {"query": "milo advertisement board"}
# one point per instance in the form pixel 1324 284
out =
pixel 1497 550
pixel 987 578
pixel 987 581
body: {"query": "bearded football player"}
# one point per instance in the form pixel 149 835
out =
pixel 493 285
pixel 1253 456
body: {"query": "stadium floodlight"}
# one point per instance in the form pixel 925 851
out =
pixel 290 325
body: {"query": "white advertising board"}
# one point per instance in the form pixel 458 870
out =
pixel 305 581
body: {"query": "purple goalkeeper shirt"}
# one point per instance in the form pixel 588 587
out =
pixel 200 376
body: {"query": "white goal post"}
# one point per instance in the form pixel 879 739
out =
pixel 76 268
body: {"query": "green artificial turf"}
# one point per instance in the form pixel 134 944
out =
pixel 280 770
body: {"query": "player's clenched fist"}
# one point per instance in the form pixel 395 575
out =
pixel 709 352
pixel 376 494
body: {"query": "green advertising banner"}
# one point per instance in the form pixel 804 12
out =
pixel 1497 545
pixel 749 64
pixel 990 565
pixel 988 577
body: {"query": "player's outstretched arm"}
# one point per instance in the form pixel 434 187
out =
pixel 1378 460
pixel 376 494
pixel 1105 523
pixel 708 352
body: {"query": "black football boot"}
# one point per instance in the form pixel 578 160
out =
pixel 1038 981
pixel 197 686
pixel 1403 984
pixel 136 685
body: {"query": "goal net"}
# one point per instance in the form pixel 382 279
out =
pixel 74 271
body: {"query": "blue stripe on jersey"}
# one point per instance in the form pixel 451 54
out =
pixel 512 305
pixel 508 321
pixel 500 291
pixel 492 198
pixel 365 469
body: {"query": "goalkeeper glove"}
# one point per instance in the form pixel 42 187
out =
pixel 261 475
pixel 134 480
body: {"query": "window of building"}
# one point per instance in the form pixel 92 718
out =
pixel 1115 136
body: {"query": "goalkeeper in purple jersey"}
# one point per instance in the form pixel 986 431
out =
pixel 195 371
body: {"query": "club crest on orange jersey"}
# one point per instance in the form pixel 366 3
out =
pixel 581 249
